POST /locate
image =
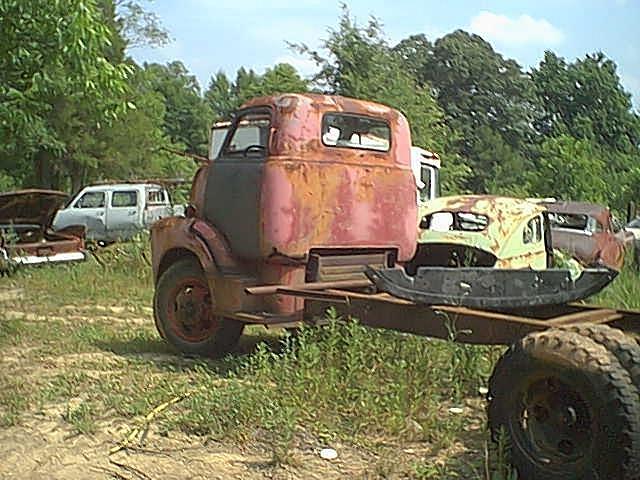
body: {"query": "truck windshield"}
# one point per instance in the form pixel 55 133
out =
pixel 353 131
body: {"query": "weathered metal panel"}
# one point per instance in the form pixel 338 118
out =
pixel 318 196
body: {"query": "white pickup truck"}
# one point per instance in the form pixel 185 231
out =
pixel 115 212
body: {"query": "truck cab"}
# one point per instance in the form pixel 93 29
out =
pixel 301 189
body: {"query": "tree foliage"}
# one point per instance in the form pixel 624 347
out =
pixel 187 117
pixel 74 108
pixel 361 64
pixel 224 96
pixel 49 51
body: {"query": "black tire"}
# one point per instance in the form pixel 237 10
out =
pixel 568 408
pixel 183 306
pixel 625 348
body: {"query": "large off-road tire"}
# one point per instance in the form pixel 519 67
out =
pixel 183 312
pixel 624 347
pixel 568 408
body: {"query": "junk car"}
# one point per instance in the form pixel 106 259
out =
pixel 26 236
pixel 483 231
pixel 587 232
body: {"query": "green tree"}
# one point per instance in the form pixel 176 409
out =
pixel 478 90
pixel 187 116
pixel 137 26
pixel 224 96
pixel 361 64
pixel 571 169
pixel 52 53
pixel 585 100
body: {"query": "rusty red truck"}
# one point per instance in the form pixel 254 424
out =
pixel 310 202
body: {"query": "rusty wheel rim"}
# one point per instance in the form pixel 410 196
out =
pixel 554 424
pixel 190 310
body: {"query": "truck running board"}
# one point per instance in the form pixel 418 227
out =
pixel 490 288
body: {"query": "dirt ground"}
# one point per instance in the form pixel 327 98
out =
pixel 45 448
pixel 43 445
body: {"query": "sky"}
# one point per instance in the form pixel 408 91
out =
pixel 213 35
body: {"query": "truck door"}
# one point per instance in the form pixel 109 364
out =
pixel 232 197
pixel 88 210
pixel 123 219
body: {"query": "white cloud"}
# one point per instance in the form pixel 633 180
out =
pixel 523 30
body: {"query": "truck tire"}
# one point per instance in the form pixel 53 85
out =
pixel 625 348
pixel 183 312
pixel 568 408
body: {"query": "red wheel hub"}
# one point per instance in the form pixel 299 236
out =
pixel 190 310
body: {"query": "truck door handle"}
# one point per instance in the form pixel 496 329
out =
pixel 132 213
pixel 99 214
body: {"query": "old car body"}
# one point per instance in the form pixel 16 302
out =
pixel 482 231
pixel 26 236
pixel 426 168
pixel 115 211
pixel 586 231
pixel 302 188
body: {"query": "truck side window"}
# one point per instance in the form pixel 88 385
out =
pixel 155 197
pixel 124 199
pixel 251 135
pixel 91 200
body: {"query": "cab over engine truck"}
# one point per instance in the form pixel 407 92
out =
pixel 305 200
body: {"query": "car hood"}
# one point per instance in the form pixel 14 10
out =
pixel 36 207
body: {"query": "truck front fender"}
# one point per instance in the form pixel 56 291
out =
pixel 175 237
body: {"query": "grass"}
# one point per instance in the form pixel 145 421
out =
pixel 82 340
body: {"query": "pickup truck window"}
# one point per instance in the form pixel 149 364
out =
pixel 91 200
pixel 155 197
pixel 124 199
pixel 251 135
pixel 354 131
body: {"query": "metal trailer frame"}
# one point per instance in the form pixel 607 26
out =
pixel 359 299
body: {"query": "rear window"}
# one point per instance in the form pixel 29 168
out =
pixel 571 221
pixel 155 197
pixel 355 131
pixel 455 221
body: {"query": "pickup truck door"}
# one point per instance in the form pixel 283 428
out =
pixel 123 214
pixel 89 209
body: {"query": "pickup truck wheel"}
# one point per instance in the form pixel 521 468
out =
pixel 183 311
pixel 568 408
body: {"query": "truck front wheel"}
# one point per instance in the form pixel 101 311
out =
pixel 568 408
pixel 184 310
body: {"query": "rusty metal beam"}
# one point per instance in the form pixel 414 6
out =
pixel 602 315
pixel 273 289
